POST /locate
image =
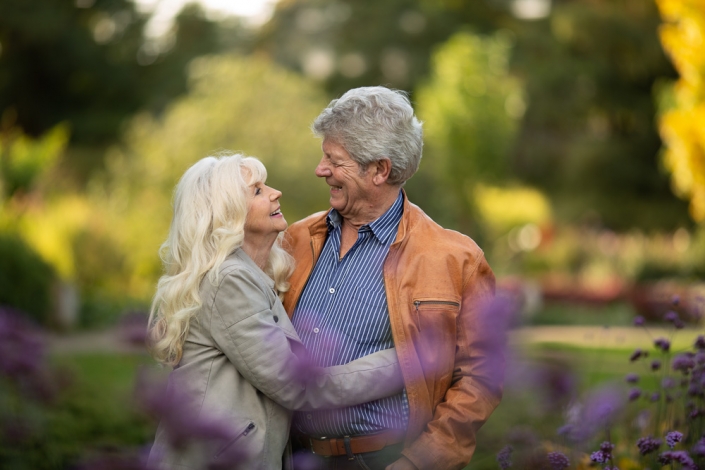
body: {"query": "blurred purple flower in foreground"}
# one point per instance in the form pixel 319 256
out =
pixel 673 437
pixel 699 448
pixel 179 419
pixel 598 457
pixel 504 457
pixel 679 456
pixel 663 344
pixel 700 343
pixel 638 353
pixel 655 364
pixel 639 320
pixel 632 378
pixel 558 461
pixel 634 394
pixel 22 357
pixel 647 445
pixel 683 363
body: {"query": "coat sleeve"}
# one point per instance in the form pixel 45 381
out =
pixel 448 440
pixel 244 329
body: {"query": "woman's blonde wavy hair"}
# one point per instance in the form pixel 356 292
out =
pixel 210 207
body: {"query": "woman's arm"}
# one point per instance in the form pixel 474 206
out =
pixel 244 328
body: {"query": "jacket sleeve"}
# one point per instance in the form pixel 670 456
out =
pixel 244 329
pixel 448 440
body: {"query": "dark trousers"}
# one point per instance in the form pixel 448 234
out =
pixel 304 459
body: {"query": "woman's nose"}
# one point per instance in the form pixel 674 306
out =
pixel 276 194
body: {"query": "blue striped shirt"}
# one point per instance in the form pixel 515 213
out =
pixel 342 315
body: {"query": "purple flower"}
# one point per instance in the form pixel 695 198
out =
pixel 675 300
pixel 700 343
pixel 663 344
pixel 679 324
pixel 504 457
pixel 699 448
pixel 647 445
pixel 637 354
pixel 632 378
pixel 655 364
pixel 181 421
pixel 639 320
pixel 679 456
pixel 667 383
pixel 683 362
pixel 634 394
pixel 599 457
pixel 673 438
pixel 558 461
pixel 670 316
pixel 656 396
pixel 607 447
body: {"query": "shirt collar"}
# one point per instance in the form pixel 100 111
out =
pixel 384 227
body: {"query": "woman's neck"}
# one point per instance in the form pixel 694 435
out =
pixel 258 250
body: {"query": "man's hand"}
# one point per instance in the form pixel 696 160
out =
pixel 402 464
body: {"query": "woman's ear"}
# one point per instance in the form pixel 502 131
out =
pixel 382 170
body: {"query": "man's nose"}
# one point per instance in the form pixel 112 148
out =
pixel 322 170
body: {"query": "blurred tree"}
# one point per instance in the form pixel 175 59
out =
pixel 682 122
pixel 588 136
pixel 589 68
pixel 86 63
pixel 347 44
pixel 471 107
pixel 240 104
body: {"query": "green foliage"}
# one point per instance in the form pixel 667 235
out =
pixel 24 160
pixel 25 279
pixel 470 107
pixel 238 104
pixel 588 137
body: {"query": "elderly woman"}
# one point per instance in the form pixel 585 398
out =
pixel 218 320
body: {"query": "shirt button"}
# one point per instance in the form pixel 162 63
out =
pixel 309 417
pixel 316 330
pixel 331 290
pixel 276 319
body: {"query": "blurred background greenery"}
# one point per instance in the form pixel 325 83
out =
pixel 542 131
pixel 566 136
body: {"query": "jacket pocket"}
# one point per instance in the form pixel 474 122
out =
pixel 436 322
pixel 228 449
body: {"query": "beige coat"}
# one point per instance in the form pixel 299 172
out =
pixel 242 361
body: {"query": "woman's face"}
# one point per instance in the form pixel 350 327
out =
pixel 264 215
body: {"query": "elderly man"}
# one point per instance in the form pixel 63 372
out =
pixel 374 272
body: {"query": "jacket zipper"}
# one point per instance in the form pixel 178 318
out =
pixel 431 302
pixel 245 432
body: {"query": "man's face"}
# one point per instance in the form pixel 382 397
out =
pixel 350 186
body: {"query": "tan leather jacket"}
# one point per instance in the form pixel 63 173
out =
pixel 437 282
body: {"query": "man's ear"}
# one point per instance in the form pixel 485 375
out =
pixel 382 168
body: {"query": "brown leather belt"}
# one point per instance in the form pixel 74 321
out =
pixel 336 446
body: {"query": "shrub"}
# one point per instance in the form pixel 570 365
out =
pixel 25 279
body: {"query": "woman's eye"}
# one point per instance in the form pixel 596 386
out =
pixel 258 191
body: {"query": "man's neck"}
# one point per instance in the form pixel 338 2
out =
pixel 376 208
